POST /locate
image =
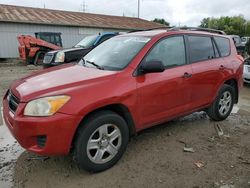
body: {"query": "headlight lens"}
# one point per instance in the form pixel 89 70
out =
pixel 60 57
pixel 46 106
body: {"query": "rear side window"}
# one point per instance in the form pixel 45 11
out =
pixel 201 48
pixel 170 51
pixel 223 45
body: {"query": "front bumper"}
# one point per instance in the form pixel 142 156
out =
pixel 246 74
pixel 58 130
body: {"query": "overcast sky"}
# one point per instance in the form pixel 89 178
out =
pixel 177 12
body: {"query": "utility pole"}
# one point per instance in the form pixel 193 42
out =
pixel 84 6
pixel 138 8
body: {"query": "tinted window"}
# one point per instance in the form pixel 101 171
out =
pixel 170 51
pixel 223 45
pixel 104 38
pixel 58 41
pixel 201 48
pixel 45 38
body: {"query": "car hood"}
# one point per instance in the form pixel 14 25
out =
pixel 66 50
pixel 58 80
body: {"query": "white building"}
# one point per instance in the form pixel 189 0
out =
pixel 16 20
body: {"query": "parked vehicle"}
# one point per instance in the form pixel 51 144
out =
pixel 246 74
pixel 58 57
pixel 32 49
pixel 129 83
pixel 244 40
pixel 241 47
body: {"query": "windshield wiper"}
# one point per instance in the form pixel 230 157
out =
pixel 92 63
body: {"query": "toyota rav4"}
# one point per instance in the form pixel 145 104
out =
pixel 126 84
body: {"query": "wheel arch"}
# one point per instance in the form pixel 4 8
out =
pixel 233 83
pixel 120 109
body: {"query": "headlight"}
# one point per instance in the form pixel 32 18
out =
pixel 46 106
pixel 60 57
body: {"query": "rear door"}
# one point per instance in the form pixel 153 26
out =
pixel 207 67
pixel 162 96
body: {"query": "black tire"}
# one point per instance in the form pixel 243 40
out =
pixel 213 111
pixel 86 131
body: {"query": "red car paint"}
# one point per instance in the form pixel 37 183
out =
pixel 150 99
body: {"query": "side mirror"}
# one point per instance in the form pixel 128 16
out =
pixel 151 67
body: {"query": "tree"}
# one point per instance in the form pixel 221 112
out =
pixel 161 21
pixel 236 25
pixel 204 22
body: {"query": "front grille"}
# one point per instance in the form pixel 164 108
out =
pixel 13 101
pixel 41 141
pixel 47 58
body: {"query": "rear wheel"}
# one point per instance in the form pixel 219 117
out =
pixel 101 141
pixel 223 104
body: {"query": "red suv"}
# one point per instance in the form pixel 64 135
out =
pixel 126 84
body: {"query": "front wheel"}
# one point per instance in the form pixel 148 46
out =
pixel 223 104
pixel 101 141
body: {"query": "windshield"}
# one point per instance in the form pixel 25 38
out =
pixel 115 53
pixel 87 41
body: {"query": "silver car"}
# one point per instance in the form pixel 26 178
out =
pixel 246 74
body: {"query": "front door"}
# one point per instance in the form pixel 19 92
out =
pixel 165 95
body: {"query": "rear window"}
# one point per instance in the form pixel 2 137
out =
pixel 201 48
pixel 223 45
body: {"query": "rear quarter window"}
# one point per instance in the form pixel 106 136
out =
pixel 223 45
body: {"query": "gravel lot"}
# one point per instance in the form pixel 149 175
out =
pixel 154 158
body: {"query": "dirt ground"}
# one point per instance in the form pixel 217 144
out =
pixel 154 158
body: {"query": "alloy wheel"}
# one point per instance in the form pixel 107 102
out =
pixel 104 143
pixel 225 103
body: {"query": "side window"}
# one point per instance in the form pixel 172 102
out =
pixel 223 45
pixel 201 48
pixel 170 51
pixel 104 38
pixel 45 37
pixel 58 41
pixel 52 39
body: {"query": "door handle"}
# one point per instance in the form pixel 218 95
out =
pixel 222 67
pixel 186 75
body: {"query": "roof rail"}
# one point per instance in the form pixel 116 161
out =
pixel 198 29
pixel 155 28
